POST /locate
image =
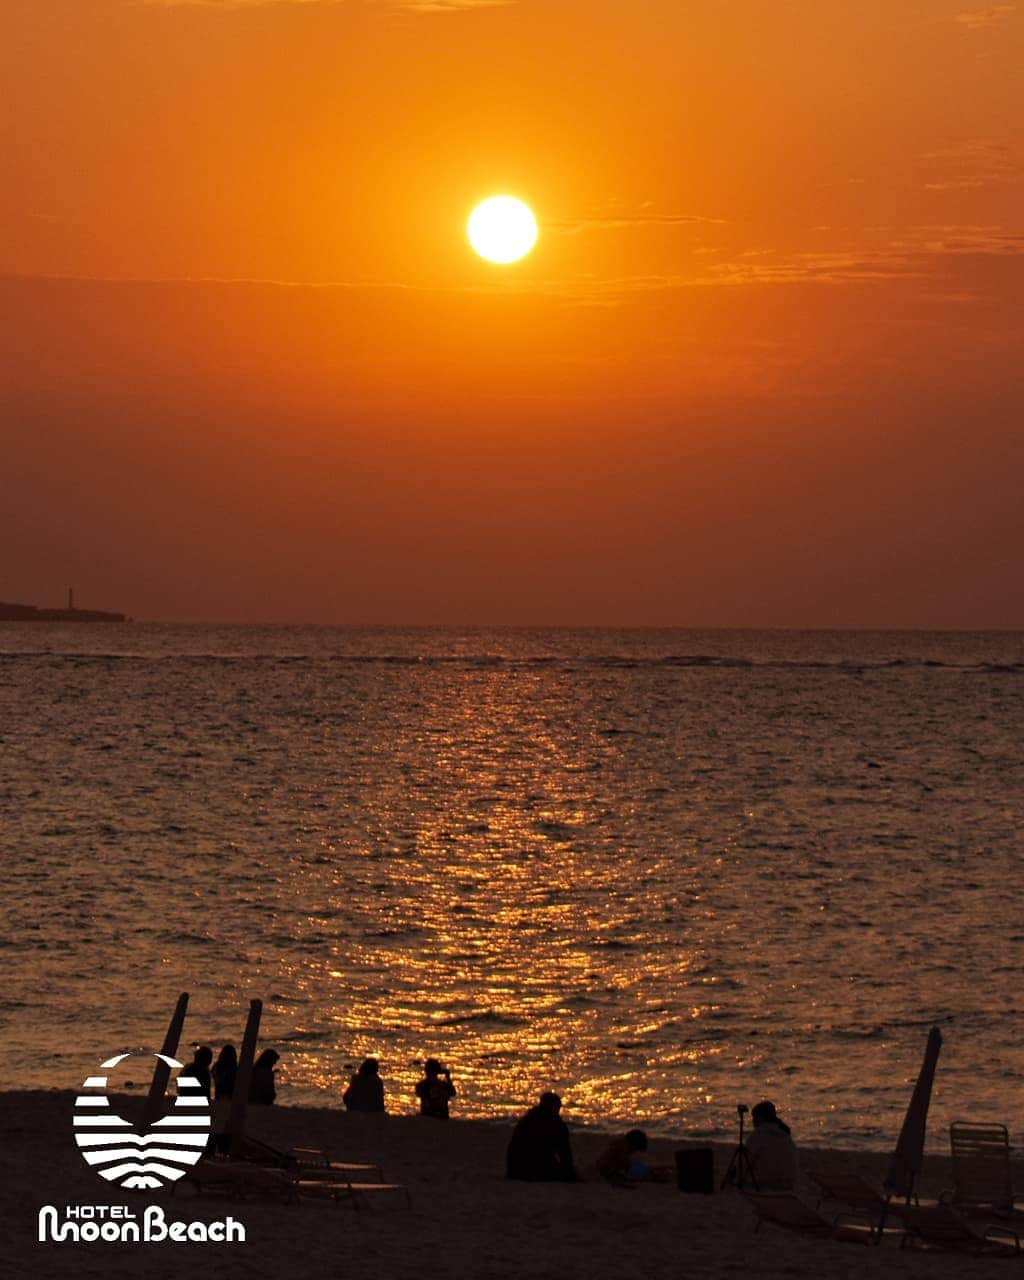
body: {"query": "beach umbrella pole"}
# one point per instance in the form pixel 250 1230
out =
pixel 162 1074
pixel 908 1157
pixel 240 1098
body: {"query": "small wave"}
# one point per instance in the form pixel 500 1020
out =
pixel 485 1015
pixel 705 660
pixel 925 1022
pixel 559 831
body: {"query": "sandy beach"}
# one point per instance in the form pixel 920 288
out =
pixel 465 1220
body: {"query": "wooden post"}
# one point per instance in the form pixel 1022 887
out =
pixel 240 1098
pixel 155 1097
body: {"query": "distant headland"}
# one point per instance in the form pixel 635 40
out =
pixel 29 613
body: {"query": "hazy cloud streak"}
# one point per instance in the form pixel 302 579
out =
pixel 573 226
pixel 977 163
pixel 977 19
pixel 413 6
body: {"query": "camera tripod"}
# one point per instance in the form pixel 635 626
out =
pixel 740 1169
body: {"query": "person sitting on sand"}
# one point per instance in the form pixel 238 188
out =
pixel 199 1068
pixel 772 1151
pixel 225 1070
pixel 435 1090
pixel 622 1162
pixel 365 1091
pixel 539 1150
pixel 261 1087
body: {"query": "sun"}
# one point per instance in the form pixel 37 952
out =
pixel 502 229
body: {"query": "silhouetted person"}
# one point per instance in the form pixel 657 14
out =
pixel 261 1086
pixel 225 1071
pixel 772 1150
pixel 365 1090
pixel 622 1162
pixel 539 1150
pixel 199 1068
pixel 435 1090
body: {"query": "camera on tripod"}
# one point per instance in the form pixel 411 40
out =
pixel 740 1169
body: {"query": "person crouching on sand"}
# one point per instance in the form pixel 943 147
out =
pixel 365 1090
pixel 772 1151
pixel 539 1150
pixel 435 1090
pixel 623 1162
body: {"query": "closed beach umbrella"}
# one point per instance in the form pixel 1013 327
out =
pixel 909 1154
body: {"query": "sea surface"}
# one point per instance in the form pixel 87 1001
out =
pixel 662 872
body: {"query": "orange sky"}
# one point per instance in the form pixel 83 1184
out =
pixel 763 368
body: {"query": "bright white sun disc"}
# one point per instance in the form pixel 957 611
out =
pixel 502 229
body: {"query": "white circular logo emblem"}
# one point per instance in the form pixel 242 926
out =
pixel 141 1161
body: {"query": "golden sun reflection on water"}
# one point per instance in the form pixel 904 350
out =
pixel 479 923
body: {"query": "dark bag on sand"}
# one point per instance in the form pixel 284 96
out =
pixel 695 1170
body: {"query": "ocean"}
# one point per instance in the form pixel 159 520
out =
pixel 662 872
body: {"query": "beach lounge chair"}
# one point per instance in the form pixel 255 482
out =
pixel 357 1194
pixel 314 1175
pixel 982 1177
pixel 241 1181
pixel 855 1192
pixel 786 1209
pixel 940 1226
pixel 304 1162
pixel 313 1159
pixel 244 1180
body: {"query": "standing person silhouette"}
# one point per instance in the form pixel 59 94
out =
pixel 225 1070
pixel 262 1087
pixel 435 1091
pixel 199 1067
pixel 224 1073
